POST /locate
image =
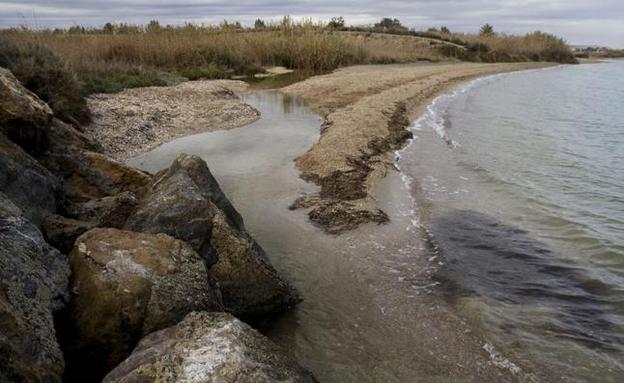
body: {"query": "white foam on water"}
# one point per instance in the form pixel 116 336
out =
pixel 434 119
pixel 500 361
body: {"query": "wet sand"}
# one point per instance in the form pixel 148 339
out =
pixel 366 110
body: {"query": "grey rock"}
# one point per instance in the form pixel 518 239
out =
pixel 33 286
pixel 197 170
pixel 28 184
pixel 22 113
pixel 177 206
pixel 208 347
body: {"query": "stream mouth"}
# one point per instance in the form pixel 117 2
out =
pixel 458 286
pixel 371 309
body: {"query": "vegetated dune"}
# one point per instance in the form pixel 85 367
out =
pixel 116 57
pixel 366 111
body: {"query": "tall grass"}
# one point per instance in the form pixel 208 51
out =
pixel 63 65
pixel 46 74
pixel 534 46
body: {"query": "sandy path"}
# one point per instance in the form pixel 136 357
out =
pixel 366 110
pixel 137 120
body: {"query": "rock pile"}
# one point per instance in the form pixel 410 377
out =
pixel 97 257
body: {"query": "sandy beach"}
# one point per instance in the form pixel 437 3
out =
pixel 366 110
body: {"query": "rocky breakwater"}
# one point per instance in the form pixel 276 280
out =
pixel 97 257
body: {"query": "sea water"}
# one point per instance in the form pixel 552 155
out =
pixel 519 178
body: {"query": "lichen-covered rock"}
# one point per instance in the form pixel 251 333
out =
pixel 124 286
pixel 207 348
pixel 28 184
pixel 33 286
pixel 89 175
pixel 186 202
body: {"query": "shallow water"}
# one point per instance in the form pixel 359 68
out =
pixel 507 210
pixel 371 311
pixel 520 179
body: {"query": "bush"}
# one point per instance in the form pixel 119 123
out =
pixel 116 80
pixel 486 30
pixel 45 74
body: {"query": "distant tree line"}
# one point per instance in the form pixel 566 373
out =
pixel 385 25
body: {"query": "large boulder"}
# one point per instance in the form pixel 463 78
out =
pixel 33 286
pixel 22 113
pixel 175 205
pixel 28 184
pixel 90 175
pixel 208 347
pixel 124 286
pixel 197 170
pixel 186 202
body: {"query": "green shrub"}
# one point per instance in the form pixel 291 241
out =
pixel 116 80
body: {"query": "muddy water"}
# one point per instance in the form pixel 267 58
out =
pixel 372 311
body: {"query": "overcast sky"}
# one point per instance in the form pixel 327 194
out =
pixel 578 21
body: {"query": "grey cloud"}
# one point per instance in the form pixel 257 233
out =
pixel 579 21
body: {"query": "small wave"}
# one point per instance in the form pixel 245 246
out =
pixel 434 118
pixel 435 114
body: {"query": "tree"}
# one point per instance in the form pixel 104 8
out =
pixel 486 30
pixel 336 23
pixel 445 30
pixel 259 24
pixel 109 28
pixel 153 26
pixel 389 24
pixel 76 29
